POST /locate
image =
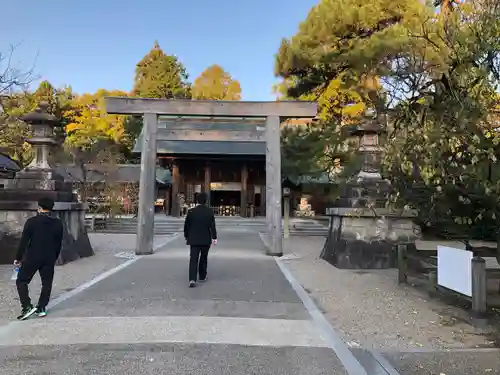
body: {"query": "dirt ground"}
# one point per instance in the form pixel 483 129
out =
pixel 370 309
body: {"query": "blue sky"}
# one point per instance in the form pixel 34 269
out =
pixel 95 44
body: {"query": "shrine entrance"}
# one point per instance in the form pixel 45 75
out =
pixel 225 198
pixel 271 113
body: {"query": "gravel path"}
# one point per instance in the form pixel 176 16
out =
pixel 73 274
pixel 370 309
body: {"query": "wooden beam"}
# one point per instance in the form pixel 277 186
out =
pixel 205 121
pixel 212 157
pixel 284 109
pixel 210 135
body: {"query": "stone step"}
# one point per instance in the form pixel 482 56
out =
pixel 179 228
pixel 134 231
pixel 166 232
pixel 169 225
pixel 293 223
pixel 172 230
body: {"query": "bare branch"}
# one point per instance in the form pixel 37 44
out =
pixel 11 76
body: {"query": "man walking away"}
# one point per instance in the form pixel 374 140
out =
pixel 200 233
pixel 38 251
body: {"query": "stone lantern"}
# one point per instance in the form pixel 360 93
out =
pixel 18 200
pixel 42 123
pixel 366 186
pixel 369 133
pixel 39 179
pixel 363 229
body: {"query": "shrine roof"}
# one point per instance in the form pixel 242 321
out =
pixel 8 167
pixel 130 173
pixel 357 129
pixel 7 164
pixel 121 173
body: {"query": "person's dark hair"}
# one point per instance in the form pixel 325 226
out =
pixel 201 198
pixel 46 204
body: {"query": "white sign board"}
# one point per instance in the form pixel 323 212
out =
pixel 455 269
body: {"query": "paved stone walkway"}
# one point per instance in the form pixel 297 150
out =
pixel 246 319
pixel 107 248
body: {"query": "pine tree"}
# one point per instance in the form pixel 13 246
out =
pixel 440 73
pixel 335 59
pixel 345 39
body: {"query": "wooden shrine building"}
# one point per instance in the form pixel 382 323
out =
pixel 223 157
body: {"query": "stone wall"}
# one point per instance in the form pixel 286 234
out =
pixel 76 243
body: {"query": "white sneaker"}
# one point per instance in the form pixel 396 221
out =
pixel 27 313
pixel 42 313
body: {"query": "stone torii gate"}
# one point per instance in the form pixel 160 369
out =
pixel 150 109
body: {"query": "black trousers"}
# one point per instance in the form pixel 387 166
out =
pixel 198 259
pixel 24 277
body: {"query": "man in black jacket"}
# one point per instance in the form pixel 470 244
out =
pixel 200 233
pixel 38 251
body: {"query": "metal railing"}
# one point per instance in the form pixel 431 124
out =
pixel 226 210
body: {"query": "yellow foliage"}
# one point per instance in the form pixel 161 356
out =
pixel 89 121
pixel 340 102
pixel 216 84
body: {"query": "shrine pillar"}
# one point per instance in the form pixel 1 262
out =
pixel 244 190
pixel 176 208
pixel 206 182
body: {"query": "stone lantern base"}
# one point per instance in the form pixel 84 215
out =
pixel 364 233
pixel 366 239
pixel 13 216
pixel 18 202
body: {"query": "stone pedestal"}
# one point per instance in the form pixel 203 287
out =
pixel 13 216
pixel 366 239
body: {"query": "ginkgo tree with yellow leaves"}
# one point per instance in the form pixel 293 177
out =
pixel 214 83
pixel 89 122
pixel 94 138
